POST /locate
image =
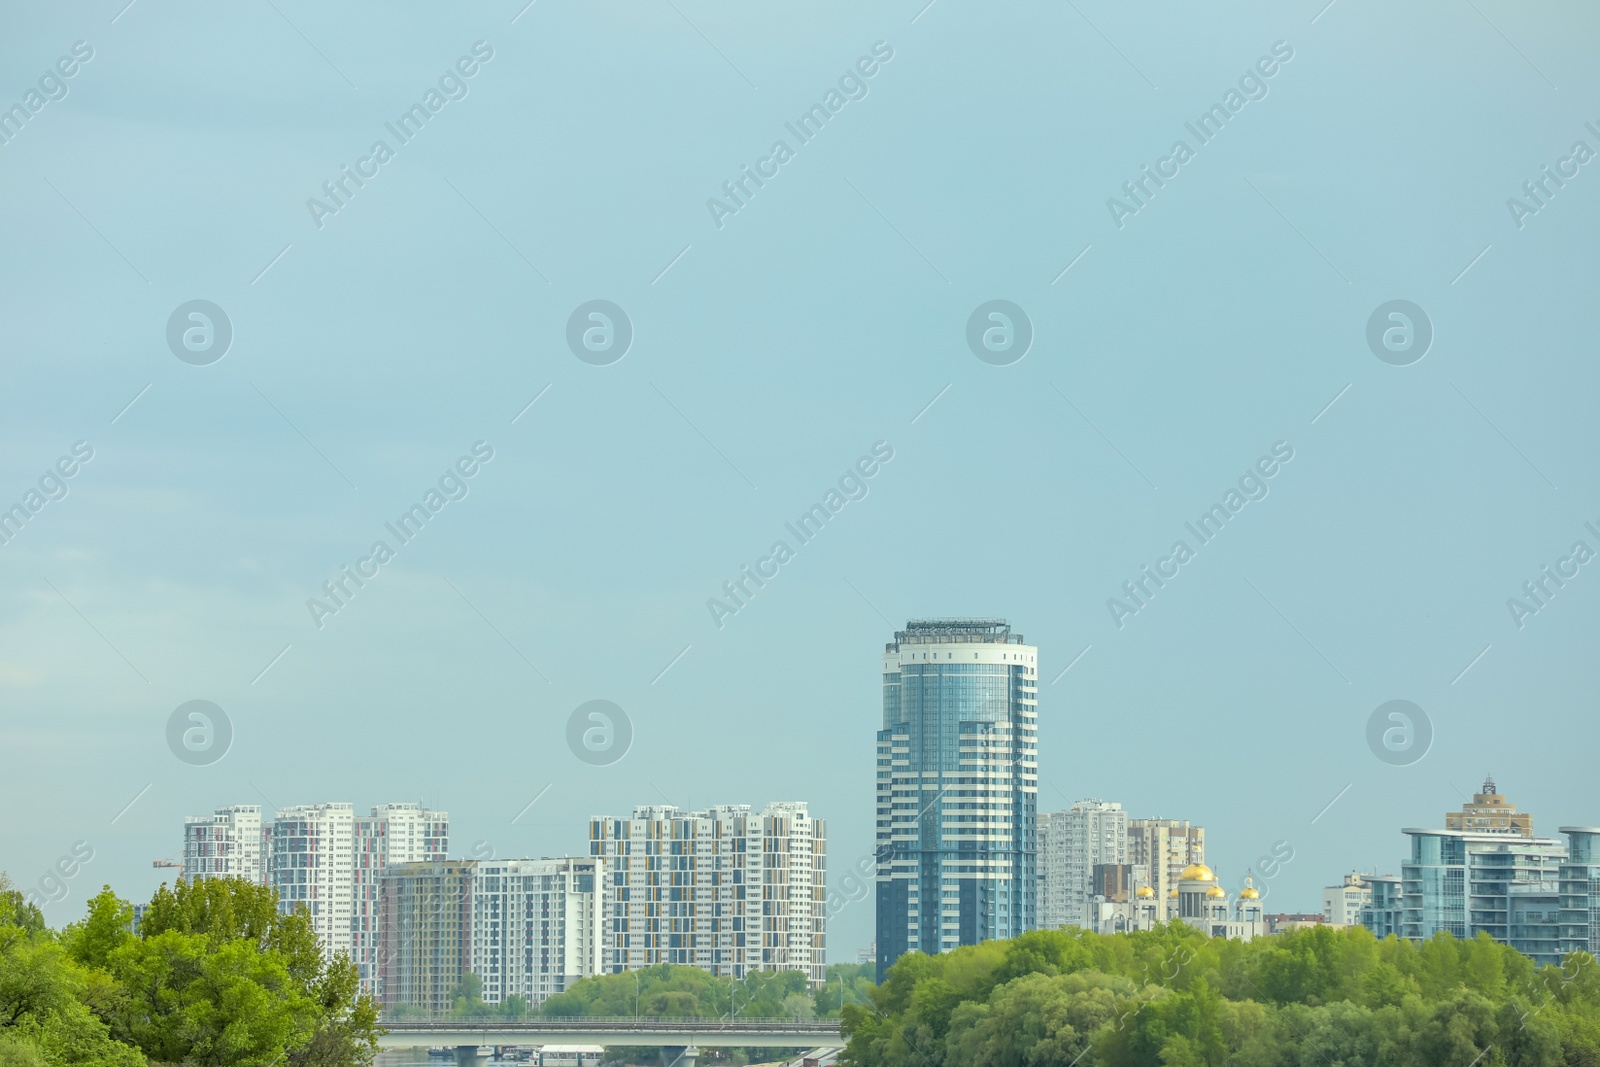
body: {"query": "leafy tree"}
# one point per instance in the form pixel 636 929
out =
pixel 15 910
pixel 845 983
pixel 466 997
pixel 1173 997
pixel 219 976
pixel 45 1017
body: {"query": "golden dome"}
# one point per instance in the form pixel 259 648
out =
pixel 1172 894
pixel 1249 892
pixel 1216 892
pixel 1197 872
pixel 1145 892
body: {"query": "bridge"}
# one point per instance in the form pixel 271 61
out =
pixel 674 1033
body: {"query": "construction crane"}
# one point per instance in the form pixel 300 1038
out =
pixel 166 863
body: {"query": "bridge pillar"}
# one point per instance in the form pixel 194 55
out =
pixel 679 1056
pixel 467 1056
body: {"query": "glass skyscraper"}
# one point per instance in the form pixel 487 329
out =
pixel 957 787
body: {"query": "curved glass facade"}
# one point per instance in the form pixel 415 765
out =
pixel 957 787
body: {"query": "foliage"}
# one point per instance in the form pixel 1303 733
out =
pixel 668 990
pixel 216 976
pixel 1173 997
pixel 847 983
pixel 466 999
pixel 15 910
pixel 45 996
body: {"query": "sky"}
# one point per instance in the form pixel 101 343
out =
pixel 1177 335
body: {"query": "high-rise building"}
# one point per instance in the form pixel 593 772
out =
pixel 1342 904
pixel 230 843
pixel 1072 844
pixel 313 867
pixel 1488 813
pixel 1166 847
pixel 425 933
pixel 720 889
pixel 537 926
pixel 526 928
pixel 328 860
pixel 957 787
pixel 393 833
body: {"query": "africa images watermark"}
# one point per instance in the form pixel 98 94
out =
pixel 1252 487
pixel 1541 190
pixel 1252 86
pixel 342 588
pixel 852 86
pixel 452 86
pixel 52 885
pixel 1542 588
pixel 52 87
pixel 52 486
pixel 852 486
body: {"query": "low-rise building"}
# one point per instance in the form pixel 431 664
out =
pixel 1342 904
pixel 1487 872
pixel 1283 922
pixel 1578 880
pixel 1382 913
pixel 1197 900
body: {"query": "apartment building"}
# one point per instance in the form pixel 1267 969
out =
pixel 721 889
pixel 231 842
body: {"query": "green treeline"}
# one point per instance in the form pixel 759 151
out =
pixel 214 978
pixel 1174 997
pixel 669 991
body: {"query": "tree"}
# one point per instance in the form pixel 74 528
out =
pixel 466 997
pixel 15 909
pixel 219 975
pixel 1173 997
pixel 45 1017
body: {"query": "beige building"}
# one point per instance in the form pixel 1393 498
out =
pixel 1488 813
pixel 1166 848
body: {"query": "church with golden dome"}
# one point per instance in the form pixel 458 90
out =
pixel 1198 899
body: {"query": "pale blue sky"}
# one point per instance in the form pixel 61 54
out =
pixel 821 318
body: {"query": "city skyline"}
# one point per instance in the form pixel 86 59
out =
pixel 1165 360
pixel 1486 806
pixel 519 416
